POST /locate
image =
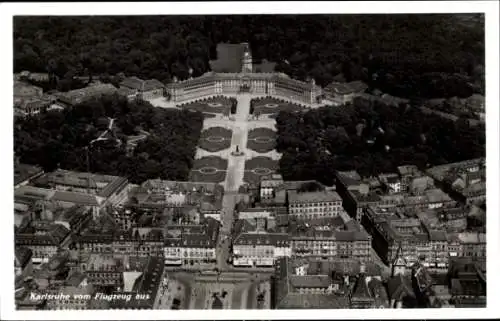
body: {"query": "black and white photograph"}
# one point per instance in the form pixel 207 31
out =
pixel 252 161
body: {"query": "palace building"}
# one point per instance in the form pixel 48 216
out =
pixel 234 72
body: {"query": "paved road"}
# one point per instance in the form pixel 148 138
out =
pixel 234 178
pixel 239 124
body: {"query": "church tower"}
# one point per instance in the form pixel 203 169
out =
pixel 398 264
pixel 247 59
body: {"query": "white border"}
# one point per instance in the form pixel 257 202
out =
pixel 491 8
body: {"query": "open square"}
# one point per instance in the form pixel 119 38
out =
pixel 215 139
pixel 261 140
pixel 257 167
pixel 208 169
pixel 235 290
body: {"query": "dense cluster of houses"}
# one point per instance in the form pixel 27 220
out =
pixel 360 243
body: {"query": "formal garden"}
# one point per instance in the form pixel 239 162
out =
pixel 208 169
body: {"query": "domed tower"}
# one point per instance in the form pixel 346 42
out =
pixel 247 59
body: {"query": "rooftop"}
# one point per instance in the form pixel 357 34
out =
pixel 208 196
pixel 350 267
pixel 262 238
pixel 98 262
pixel 201 236
pixel 310 197
pixel 23 255
pixel 141 85
pixel 23 89
pixel 125 91
pixel 313 301
pixel 75 279
pixel 437 195
pixel 471 237
pixel 77 198
pixel 23 172
pixel 310 281
pixel 399 287
pixel 30 193
pixel 338 88
pixel 78 96
pixel 349 177
pixel 151 278
pixel 45 234
pixel 370 197
pixel 439 172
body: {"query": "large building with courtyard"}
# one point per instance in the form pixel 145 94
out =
pixel 234 72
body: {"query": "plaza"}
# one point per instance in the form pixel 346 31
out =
pixel 226 290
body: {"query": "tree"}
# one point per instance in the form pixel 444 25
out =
pixel 55 139
pixel 321 47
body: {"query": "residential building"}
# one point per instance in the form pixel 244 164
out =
pixel 273 189
pixel 400 292
pixel 255 241
pixel 33 76
pixel 467 283
pixel 321 241
pixel 422 283
pixel 314 204
pixel 31 106
pixel 343 93
pixel 392 182
pixel 140 242
pixel 390 232
pixel 144 288
pixel 75 298
pixel 150 241
pixel 124 243
pixel 75 218
pixel 319 284
pixel 391 201
pixel 191 244
pixel 78 96
pixel 143 89
pixel 463 181
pixel 128 93
pixel 347 180
pixel 160 194
pixel 52 273
pixel 24 90
pixel 23 262
pixel 77 279
pixel 307 291
pixel 259 248
pixel 269 185
pixel 111 188
pixel 24 173
pixel 95 241
pixel 356 193
pixel 472 244
pixel 430 199
pixel 419 185
pixel 407 173
pixel 357 200
pixel 44 239
pixel 368 292
pixel 104 269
